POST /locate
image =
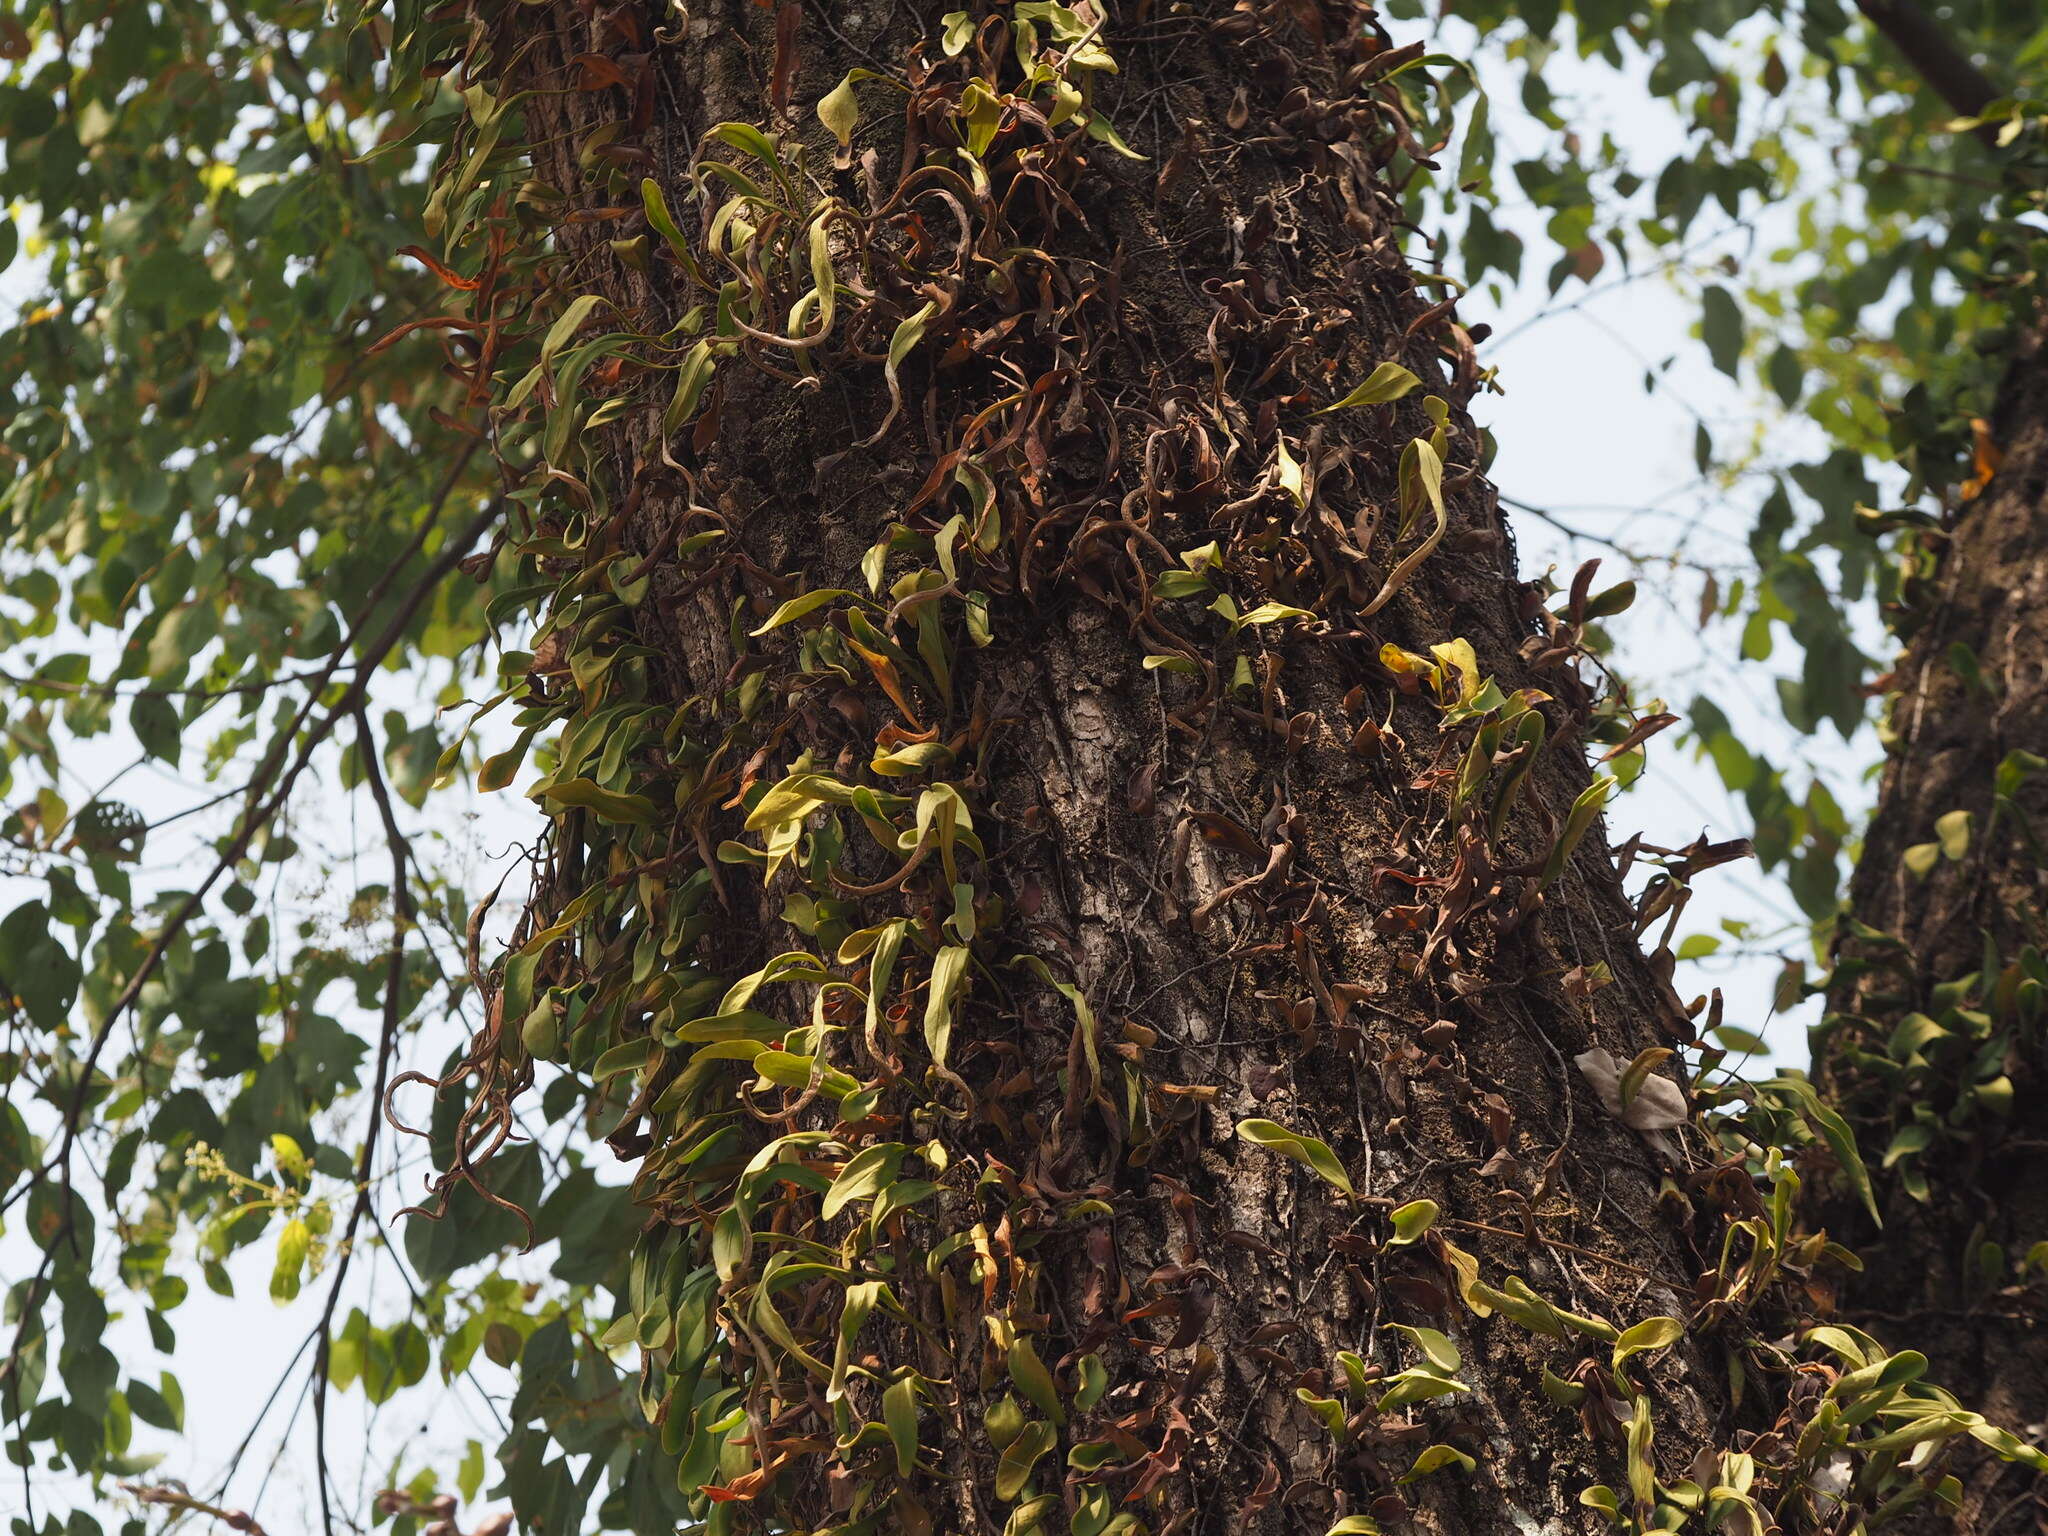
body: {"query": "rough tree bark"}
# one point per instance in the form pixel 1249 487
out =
pixel 1934 1044
pixel 1279 880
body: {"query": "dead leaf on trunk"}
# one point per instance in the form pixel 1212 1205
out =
pixel 1659 1105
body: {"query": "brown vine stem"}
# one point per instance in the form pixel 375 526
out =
pixel 184 1503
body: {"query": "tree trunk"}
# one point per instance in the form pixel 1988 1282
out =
pixel 1934 1043
pixel 1227 866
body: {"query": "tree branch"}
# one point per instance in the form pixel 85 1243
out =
pixel 259 814
pixel 1927 48
pixel 387 1045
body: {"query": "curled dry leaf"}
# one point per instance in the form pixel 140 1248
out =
pixel 1659 1105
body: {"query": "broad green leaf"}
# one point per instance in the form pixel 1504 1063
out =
pixel 1013 1471
pixel 1029 1372
pixel 865 1175
pixel 626 809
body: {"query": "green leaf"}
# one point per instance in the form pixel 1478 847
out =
pixel 1834 1130
pixel 1389 381
pixel 797 607
pixel 1103 131
pixel 1642 1471
pixel 1306 1150
pixel 909 332
pixel 1721 327
pixel 656 208
pixel 1328 1411
pixel 1616 599
pixel 1651 1333
pixel 1417 1386
pixel 1020 1456
pixel 572 320
pixel 156 726
pixel 1029 1372
pixel 1436 1457
pixel 628 810
pixel 1411 1221
pixel 294 1243
pixel 1952 831
pixel 750 140
pixel 1568 1394
pixel 469 1477
pixel 866 1174
pixel 1094 1378
pixel 160 1410
pixel 693 377
pixel 498 770
pixel 1177 584
pixel 899 1413
pixel 1787 376
pixel 1435 1347
pixel 949 975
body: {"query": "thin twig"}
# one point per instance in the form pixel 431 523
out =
pixel 387 1044
pixel 259 815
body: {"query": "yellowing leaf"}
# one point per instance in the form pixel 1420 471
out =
pixel 1288 472
pixel 1306 1150
pixel 1272 613
pixel 1952 831
pixel 1411 1221
pixel 1436 1457
pixel 1436 1348
pixel 1462 662
pixel 839 111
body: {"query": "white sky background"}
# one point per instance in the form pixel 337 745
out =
pixel 1578 435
